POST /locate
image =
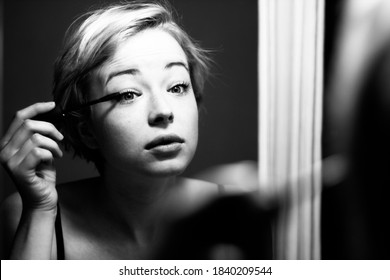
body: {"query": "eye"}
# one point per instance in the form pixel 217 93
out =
pixel 127 96
pixel 179 89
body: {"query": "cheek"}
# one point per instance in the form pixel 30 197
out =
pixel 193 135
pixel 194 125
pixel 189 121
pixel 117 134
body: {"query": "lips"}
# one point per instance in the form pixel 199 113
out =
pixel 164 141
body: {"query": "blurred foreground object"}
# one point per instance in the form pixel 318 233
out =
pixel 355 208
pixel 235 226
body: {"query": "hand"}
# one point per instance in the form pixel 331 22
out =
pixel 27 152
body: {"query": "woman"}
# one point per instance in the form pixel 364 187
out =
pixel 128 85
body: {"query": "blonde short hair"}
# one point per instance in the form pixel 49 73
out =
pixel 92 39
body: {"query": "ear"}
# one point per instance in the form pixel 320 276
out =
pixel 87 135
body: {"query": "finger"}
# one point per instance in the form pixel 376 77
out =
pixel 36 141
pixel 24 132
pixel 22 115
pixel 34 158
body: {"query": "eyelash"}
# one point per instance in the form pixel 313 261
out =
pixel 121 97
pixel 183 85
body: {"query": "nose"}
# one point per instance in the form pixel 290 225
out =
pixel 160 111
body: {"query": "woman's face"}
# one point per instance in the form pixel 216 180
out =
pixel 153 129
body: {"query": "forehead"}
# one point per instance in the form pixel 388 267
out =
pixel 149 47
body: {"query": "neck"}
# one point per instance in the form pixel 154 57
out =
pixel 134 200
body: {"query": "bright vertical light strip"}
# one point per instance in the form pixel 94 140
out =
pixel 263 102
pixel 290 72
pixel 318 105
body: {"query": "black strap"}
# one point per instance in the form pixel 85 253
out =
pixel 59 236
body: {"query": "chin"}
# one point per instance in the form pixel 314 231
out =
pixel 170 166
pixel 167 169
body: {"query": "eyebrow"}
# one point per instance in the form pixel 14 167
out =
pixel 131 71
pixel 177 63
pixel 135 71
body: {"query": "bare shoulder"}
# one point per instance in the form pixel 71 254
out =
pixel 78 199
pixel 11 208
pixel 190 195
pixel 199 189
pixel 10 213
pixel 236 177
pixel 199 184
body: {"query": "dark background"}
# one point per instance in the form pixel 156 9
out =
pixel 33 32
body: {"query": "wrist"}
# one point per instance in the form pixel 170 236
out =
pixel 40 209
pixel 48 204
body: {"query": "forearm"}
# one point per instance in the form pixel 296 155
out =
pixel 34 236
